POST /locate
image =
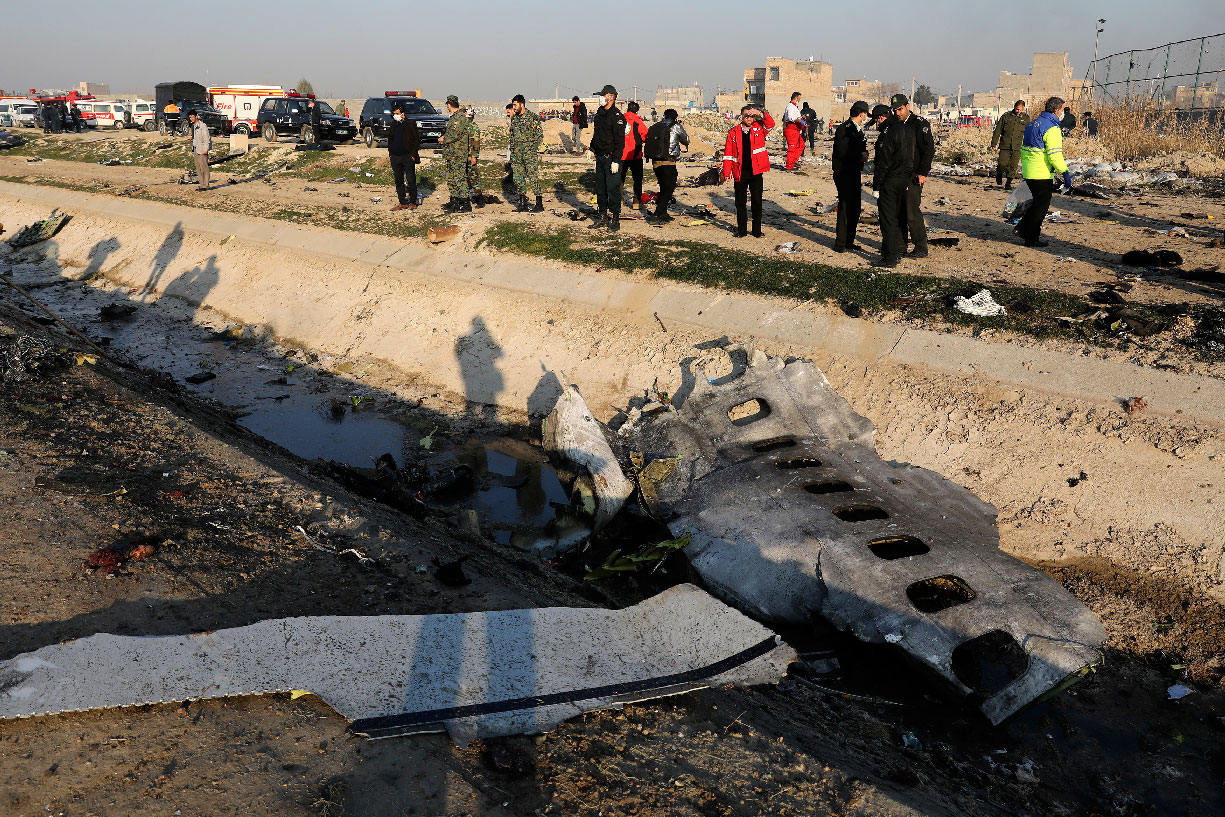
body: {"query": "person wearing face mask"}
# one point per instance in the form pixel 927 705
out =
pixel 745 160
pixel 403 144
pixel 893 169
pixel 608 143
pixel 631 157
pixel 849 156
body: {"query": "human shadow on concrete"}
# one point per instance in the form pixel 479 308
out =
pixel 477 354
pixel 162 259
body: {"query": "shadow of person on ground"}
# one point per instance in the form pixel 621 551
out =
pixel 98 254
pixel 477 353
pixel 194 285
pixel 166 253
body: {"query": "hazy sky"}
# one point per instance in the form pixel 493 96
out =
pixel 490 49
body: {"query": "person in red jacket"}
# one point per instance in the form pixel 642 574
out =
pixel 745 160
pixel 793 131
pixel 631 157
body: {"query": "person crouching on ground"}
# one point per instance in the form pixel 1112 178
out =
pixel 403 146
pixel 201 144
pixel 631 157
pixel 849 156
pixel 664 165
pixel 745 160
pixel 1041 158
pixel 608 143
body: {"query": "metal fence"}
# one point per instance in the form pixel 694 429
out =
pixel 1187 75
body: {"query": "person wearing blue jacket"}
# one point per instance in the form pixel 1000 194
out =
pixel 1041 159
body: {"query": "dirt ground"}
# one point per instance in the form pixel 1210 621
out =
pixel 1136 538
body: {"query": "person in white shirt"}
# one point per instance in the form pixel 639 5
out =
pixel 793 131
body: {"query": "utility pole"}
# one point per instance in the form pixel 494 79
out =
pixel 912 89
pixel 635 97
pixel 959 99
pixel 1100 27
pixel 557 90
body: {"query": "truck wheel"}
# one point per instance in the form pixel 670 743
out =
pixel 118 124
pixel 368 136
pixel 307 135
pixel 269 132
pixel 243 129
pixel 150 126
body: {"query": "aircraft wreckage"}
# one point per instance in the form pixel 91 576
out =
pixel 793 516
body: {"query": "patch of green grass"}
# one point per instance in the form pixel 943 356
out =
pixel 921 297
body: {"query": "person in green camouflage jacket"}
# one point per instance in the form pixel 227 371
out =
pixel 461 144
pixel 526 134
pixel 1008 134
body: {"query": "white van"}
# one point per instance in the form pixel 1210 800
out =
pixel 106 114
pixel 11 111
pixel 142 114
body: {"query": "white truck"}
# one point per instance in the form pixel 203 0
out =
pixel 240 104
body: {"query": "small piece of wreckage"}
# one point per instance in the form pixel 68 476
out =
pixel 473 675
pixel 793 516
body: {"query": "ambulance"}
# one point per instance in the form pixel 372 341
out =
pixel 240 104
pixel 113 115
pixel 15 110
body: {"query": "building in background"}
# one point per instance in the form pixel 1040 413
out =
pixel 680 97
pixel 771 87
pixel 93 89
pixel 1051 76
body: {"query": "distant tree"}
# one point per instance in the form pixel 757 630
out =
pixel 923 95
pixel 888 89
pixel 304 87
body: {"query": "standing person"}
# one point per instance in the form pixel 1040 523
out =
pixel 913 227
pixel 473 168
pixel 1090 124
pixel 810 127
pixel 526 135
pixel 1068 123
pixel 892 171
pixel 849 156
pixel 1041 157
pixel 1008 133
pixel 745 160
pixel 78 121
pixel 631 157
pixel 654 116
pixel 578 124
pixel 344 109
pixel 403 151
pixel 608 143
pixel 313 110
pixel 458 153
pixel 201 144
pixel 793 131
pixel 665 140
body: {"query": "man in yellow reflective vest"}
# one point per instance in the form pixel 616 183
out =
pixel 1041 159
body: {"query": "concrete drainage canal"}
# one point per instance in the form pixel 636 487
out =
pixel 762 486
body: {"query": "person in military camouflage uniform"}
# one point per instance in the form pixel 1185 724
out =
pixel 526 134
pixel 1008 134
pixel 460 145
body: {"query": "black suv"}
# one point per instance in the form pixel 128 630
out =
pixel 289 116
pixel 375 120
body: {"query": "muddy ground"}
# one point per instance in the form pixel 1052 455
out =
pixel 1137 540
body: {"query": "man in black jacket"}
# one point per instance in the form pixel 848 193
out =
pixel 607 143
pixel 578 123
pixel 911 217
pixel 893 170
pixel 403 146
pixel 850 154
pixel 313 110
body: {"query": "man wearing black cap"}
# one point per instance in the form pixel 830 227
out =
pixel 893 169
pixel 850 154
pixel 607 143
pixel 913 228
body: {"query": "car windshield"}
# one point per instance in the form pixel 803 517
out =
pixel 199 106
pixel 410 104
pixel 27 108
pixel 324 108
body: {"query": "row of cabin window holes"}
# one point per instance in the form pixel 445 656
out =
pixel 929 595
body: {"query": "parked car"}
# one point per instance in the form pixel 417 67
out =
pixel 186 96
pixel 111 115
pixel 289 116
pixel 375 119
pixel 27 116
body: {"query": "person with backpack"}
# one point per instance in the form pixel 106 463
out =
pixel 631 157
pixel 810 122
pixel 745 160
pixel 664 142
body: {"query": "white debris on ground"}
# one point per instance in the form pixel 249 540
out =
pixel 981 304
